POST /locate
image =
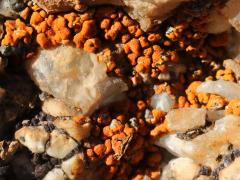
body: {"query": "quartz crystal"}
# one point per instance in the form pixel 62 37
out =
pixel 75 77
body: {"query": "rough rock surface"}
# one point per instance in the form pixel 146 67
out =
pixel 181 120
pixel 55 174
pixel 75 77
pixel 217 140
pixel 180 169
pixel 163 102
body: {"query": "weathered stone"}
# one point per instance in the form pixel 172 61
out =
pixel 205 148
pixel 231 172
pixel 60 145
pixel 227 89
pixel 75 130
pixel 163 102
pixel 34 138
pixel 75 77
pixel 183 119
pixel 180 169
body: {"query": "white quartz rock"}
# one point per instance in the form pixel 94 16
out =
pixel 75 130
pixel 205 148
pixel 215 115
pixel 163 102
pixel 75 77
pixel 227 89
pixel 55 174
pixel 180 169
pixel 34 138
pixel 183 119
pixel 231 172
pixel 234 66
pixel 60 145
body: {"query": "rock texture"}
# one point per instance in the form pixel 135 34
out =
pixel 163 102
pixel 217 140
pixel 75 77
pixel 180 169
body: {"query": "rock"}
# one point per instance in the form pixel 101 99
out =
pixel 234 66
pixel 34 138
pixel 163 102
pixel 75 77
pixel 55 174
pixel 57 108
pixel 60 145
pixel 183 119
pixel 75 130
pixel 180 169
pixel 213 116
pixel 74 166
pixel 231 172
pixel 10 8
pixel 205 148
pixel 227 89
pixel 16 98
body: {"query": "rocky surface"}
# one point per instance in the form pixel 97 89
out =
pixel 231 172
pixel 75 77
pixel 163 102
pixel 217 139
pixel 10 8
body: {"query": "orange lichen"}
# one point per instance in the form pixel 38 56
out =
pixel 233 107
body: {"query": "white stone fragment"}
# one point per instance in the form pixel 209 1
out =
pixel 55 174
pixel 74 166
pixel 57 108
pixel 205 148
pixel 231 172
pixel 215 115
pixel 34 138
pixel 163 102
pixel 60 145
pixel 75 130
pixel 234 66
pixel 227 89
pixel 75 77
pixel 180 169
pixel 183 119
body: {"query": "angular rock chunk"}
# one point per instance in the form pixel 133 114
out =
pixel 75 77
pixel 60 145
pixel 205 148
pixel 231 172
pixel 183 119
pixel 75 130
pixel 162 101
pixel 227 89
pixel 34 138
pixel 55 174
pixel 179 169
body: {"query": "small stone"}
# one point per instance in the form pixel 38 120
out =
pixel 75 77
pixel 34 138
pixel 75 130
pixel 180 169
pixel 226 89
pixel 60 145
pixel 163 102
pixel 55 174
pixel 183 119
